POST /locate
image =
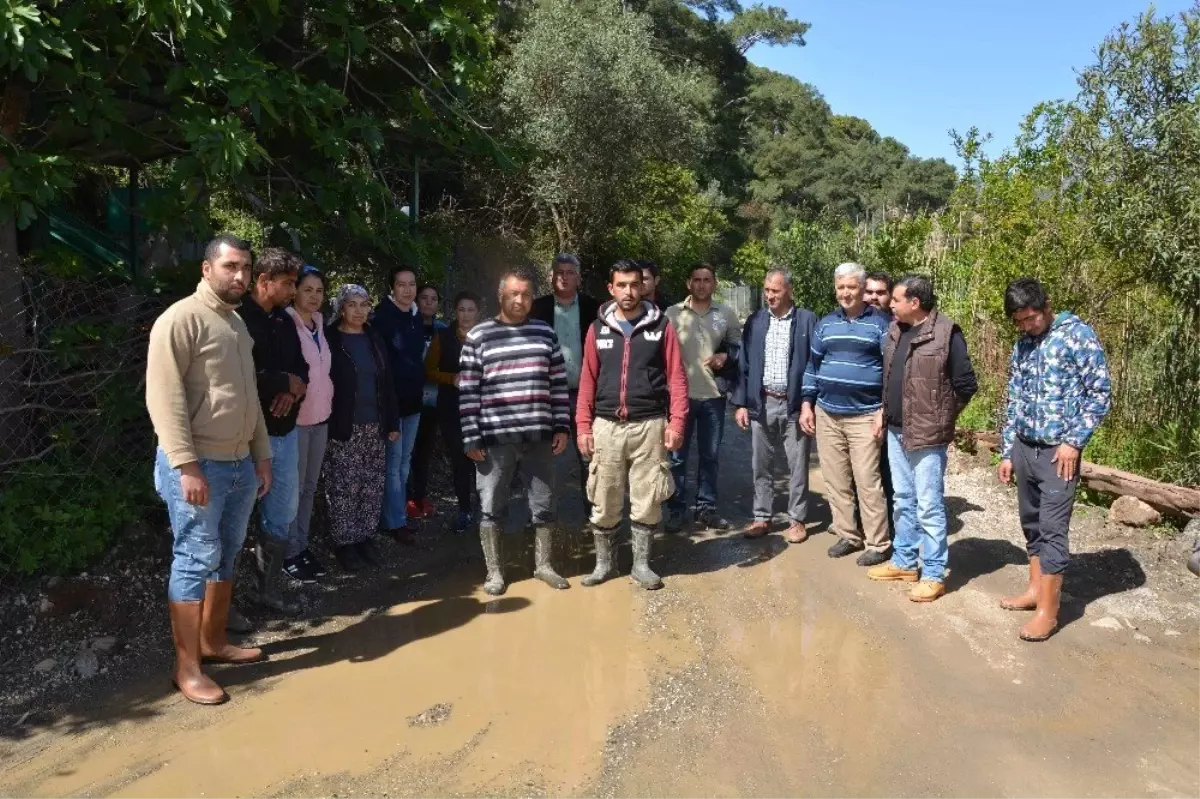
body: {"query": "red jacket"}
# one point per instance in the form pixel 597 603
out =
pixel 635 377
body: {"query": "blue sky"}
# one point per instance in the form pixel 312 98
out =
pixel 914 70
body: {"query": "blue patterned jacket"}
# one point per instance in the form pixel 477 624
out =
pixel 1058 386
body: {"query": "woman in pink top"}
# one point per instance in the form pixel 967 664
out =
pixel 314 412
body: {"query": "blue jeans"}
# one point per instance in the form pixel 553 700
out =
pixel 920 507
pixel 278 508
pixel 399 462
pixel 706 423
pixel 209 537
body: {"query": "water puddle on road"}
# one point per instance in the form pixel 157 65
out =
pixel 528 684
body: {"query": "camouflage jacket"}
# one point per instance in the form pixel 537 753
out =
pixel 1058 386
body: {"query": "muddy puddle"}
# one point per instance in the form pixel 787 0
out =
pixel 519 690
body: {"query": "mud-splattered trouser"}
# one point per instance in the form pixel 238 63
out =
pixel 630 453
pixel 1046 502
pixel 494 476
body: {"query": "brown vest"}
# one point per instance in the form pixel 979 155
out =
pixel 930 404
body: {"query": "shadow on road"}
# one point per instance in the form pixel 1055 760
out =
pixel 955 508
pixel 1090 575
pixel 444 569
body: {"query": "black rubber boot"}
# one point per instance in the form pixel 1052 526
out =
pixel 642 536
pixel 271 555
pixel 237 623
pixel 489 537
pixel 543 569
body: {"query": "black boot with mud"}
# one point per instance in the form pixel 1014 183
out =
pixel 271 557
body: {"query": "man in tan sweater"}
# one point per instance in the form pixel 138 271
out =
pixel 214 457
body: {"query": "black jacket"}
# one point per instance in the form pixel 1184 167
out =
pixel 403 335
pixel 589 309
pixel 277 354
pixel 345 387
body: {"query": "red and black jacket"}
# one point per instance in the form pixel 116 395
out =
pixel 635 377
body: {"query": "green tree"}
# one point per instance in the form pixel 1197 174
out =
pixel 307 112
pixel 1136 133
pixel 671 221
pixel 769 25
pixel 590 103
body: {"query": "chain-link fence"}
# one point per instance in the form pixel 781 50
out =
pixel 75 442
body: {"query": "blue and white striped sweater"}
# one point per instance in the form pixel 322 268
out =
pixel 845 367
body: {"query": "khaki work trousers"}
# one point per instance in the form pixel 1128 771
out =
pixel 630 453
pixel 850 457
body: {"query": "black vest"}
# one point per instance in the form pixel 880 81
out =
pixel 632 380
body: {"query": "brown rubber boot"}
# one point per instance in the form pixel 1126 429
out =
pixel 188 678
pixel 214 643
pixel 1045 622
pixel 1028 599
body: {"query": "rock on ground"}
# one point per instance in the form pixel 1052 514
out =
pixel 1133 512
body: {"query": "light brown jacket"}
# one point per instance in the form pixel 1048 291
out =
pixel 200 383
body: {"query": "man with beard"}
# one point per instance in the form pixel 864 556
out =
pixel 633 407
pixel 213 460
pixel 282 385
pixel 513 402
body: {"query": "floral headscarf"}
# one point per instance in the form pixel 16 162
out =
pixel 347 292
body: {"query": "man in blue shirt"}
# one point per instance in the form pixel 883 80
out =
pixel 843 407
pixel 1059 392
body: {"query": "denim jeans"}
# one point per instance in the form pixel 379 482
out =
pixel 706 423
pixel 311 454
pixel 399 462
pixel 208 537
pixel 920 507
pixel 278 508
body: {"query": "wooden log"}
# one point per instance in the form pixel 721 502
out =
pixel 1165 497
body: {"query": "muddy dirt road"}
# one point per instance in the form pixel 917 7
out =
pixel 760 670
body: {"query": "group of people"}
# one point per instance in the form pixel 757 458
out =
pixel 254 397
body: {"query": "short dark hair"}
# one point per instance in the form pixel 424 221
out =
pixel 1022 293
pixel 212 250
pixel 702 265
pixel 396 271
pixel 883 277
pixel 468 295
pixel 421 289
pixel 276 261
pixel 921 287
pixel 625 266
pixel 308 270
pixel 648 266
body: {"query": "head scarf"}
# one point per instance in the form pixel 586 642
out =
pixel 347 292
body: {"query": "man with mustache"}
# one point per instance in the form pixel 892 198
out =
pixel 213 460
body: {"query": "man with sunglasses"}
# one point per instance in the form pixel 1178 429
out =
pixel 1058 393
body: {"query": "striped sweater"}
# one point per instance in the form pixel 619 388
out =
pixel 845 367
pixel 512 385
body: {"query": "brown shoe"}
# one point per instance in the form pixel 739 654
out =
pixel 214 643
pixel 886 572
pixel 757 530
pixel 797 533
pixel 926 591
pixel 1045 622
pixel 1028 599
pixel 188 678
